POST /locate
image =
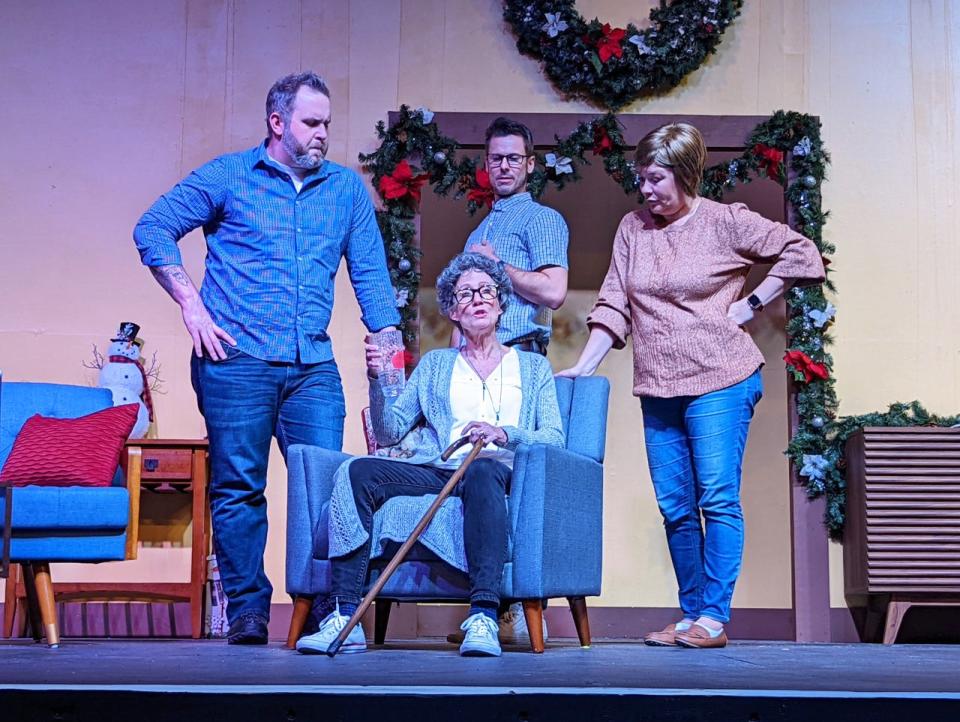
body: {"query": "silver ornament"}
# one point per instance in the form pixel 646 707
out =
pixel 809 181
pixel 404 265
pixel 817 422
pixel 439 157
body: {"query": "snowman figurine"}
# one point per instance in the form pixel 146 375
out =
pixel 123 374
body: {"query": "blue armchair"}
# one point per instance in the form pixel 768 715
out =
pixel 60 524
pixel 555 516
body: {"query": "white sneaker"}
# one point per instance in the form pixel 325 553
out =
pixel 319 642
pixel 480 637
pixel 513 626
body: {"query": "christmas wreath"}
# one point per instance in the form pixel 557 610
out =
pixel 610 66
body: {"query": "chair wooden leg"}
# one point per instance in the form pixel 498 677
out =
pixel 33 602
pixel 301 612
pixel 896 610
pixel 578 607
pixel 533 614
pixel 48 607
pixel 380 619
pixel 10 600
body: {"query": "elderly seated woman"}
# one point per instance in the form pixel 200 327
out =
pixel 483 390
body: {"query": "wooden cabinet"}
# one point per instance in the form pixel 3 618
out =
pixel 901 543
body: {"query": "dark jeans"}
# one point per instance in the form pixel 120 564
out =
pixel 482 489
pixel 245 403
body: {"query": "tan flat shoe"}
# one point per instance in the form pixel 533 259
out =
pixel 697 637
pixel 664 638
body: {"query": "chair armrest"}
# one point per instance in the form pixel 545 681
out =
pixel 130 462
pixel 556 514
pixel 310 471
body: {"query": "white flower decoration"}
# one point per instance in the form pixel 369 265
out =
pixel 554 25
pixel 822 317
pixel 560 165
pixel 803 147
pixel 403 297
pixel 641 44
pixel 425 114
pixel 815 467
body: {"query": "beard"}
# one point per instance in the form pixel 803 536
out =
pixel 299 155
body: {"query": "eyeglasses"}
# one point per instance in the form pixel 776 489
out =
pixel 464 296
pixel 514 160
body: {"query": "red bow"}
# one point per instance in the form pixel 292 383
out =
pixel 609 45
pixel 803 364
pixel 602 142
pixel 770 160
pixel 402 182
pixel 482 192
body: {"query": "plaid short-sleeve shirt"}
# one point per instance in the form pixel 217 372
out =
pixel 528 236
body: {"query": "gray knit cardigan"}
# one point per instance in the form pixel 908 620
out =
pixel 426 400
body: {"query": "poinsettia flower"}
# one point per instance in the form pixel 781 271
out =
pixel 554 25
pixel 602 142
pixel 803 364
pixel 426 115
pixel 770 160
pixel 560 164
pixel 641 44
pixel 482 192
pixel 402 183
pixel 821 317
pixel 608 45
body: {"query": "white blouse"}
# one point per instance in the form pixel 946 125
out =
pixel 496 401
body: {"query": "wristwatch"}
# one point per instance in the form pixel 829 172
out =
pixel 754 302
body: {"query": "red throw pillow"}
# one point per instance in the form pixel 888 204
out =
pixel 70 452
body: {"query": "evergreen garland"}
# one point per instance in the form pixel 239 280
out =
pixel 611 67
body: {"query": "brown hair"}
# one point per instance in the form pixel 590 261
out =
pixel 680 147
pixel 505 127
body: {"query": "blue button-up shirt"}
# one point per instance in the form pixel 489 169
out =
pixel 273 253
pixel 528 236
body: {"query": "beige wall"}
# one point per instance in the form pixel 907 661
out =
pixel 108 103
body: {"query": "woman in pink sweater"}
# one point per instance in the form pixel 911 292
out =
pixel 675 279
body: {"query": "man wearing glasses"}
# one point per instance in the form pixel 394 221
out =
pixel 531 241
pixel 529 238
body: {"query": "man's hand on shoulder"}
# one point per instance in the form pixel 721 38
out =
pixel 484 248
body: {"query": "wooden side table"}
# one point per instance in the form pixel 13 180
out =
pixel 166 465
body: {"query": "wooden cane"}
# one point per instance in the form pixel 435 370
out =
pixel 411 540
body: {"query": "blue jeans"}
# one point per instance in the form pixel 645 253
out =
pixel 695 448
pixel 245 403
pixel 481 489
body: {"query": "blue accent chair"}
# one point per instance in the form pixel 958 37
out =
pixel 61 524
pixel 555 522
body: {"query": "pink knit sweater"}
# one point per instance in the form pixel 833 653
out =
pixel 671 288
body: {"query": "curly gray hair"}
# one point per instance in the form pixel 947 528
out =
pixel 447 280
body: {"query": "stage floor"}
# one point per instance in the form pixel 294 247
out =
pixel 747 681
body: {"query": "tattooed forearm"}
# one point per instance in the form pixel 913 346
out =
pixel 176 273
pixel 175 281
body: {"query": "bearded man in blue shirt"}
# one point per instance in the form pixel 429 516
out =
pixel 277 219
